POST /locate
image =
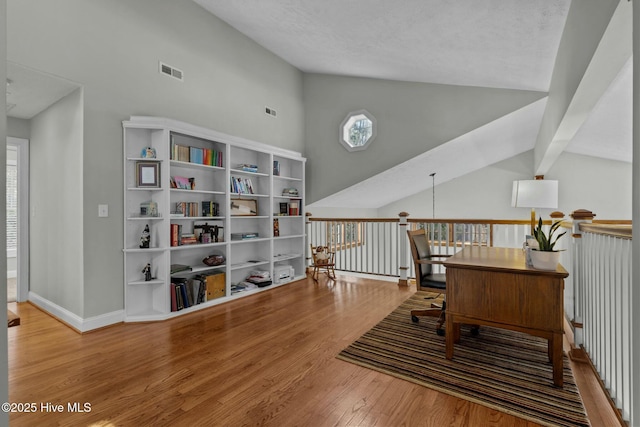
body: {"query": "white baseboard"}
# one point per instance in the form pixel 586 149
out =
pixel 12 274
pixel 72 319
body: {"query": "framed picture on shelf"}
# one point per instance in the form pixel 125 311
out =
pixel 147 174
pixel 244 207
pixel 149 209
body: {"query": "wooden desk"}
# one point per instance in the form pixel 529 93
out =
pixel 494 287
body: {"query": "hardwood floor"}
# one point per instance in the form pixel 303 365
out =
pixel 267 359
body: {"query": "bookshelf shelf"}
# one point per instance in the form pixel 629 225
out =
pixel 189 165
pixel 204 162
pixel 197 246
pixel 149 282
pixel 179 190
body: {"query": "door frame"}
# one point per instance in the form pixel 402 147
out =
pixel 22 148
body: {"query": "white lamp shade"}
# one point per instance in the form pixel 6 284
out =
pixel 538 193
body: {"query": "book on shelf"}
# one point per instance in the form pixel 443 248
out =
pixel 244 236
pixel 241 185
pixel 187 208
pixel 187 292
pixel 276 168
pixel 284 208
pixel 176 297
pixel 215 285
pixel 294 207
pixel 198 155
pixel 176 233
pixel 248 167
pixel 177 268
pixel 183 183
pixel 183 294
pixel 179 152
pixel 200 289
pixel 188 239
pixel 210 208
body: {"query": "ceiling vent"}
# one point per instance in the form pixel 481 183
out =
pixel 170 71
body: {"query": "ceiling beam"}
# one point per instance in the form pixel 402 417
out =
pixel 612 52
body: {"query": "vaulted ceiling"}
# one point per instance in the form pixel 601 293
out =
pixel 487 43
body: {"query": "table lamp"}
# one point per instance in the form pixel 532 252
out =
pixel 535 193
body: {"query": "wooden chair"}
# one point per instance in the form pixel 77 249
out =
pixel 426 279
pixel 323 259
pixel 12 319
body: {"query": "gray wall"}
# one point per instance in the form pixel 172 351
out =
pixel 56 191
pixel 18 128
pixel 412 119
pixel 487 193
pixel 112 49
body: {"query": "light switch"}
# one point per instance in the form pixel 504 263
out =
pixel 103 211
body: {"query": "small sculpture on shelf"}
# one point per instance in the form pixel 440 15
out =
pixel 214 260
pixel 148 153
pixel 147 272
pixel 206 233
pixel 145 238
pixel 276 227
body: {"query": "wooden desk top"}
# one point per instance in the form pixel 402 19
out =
pixel 498 259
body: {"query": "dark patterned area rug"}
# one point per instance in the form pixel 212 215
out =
pixel 504 370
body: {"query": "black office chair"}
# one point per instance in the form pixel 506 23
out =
pixel 426 279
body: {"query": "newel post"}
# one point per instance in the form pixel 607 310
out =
pixel 579 216
pixel 402 241
pixel 307 225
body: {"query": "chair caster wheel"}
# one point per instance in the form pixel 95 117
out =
pixel 415 319
pixel 440 332
pixel 475 331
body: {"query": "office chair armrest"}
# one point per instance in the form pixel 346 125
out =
pixel 428 261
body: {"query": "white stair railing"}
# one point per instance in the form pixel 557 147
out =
pixel 604 303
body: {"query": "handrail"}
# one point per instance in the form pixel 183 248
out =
pixel 622 231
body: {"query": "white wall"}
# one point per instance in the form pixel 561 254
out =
pixel 56 191
pixel 599 185
pixel 602 186
pixel 586 22
pixel 112 48
pixel 4 348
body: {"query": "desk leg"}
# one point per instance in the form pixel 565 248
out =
pixel 556 360
pixel 450 336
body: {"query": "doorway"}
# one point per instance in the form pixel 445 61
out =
pixel 17 208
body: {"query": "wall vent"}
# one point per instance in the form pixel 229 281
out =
pixel 170 71
pixel 270 111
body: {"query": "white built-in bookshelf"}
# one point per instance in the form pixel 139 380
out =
pixel 201 192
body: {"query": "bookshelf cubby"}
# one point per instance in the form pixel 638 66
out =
pixel 196 168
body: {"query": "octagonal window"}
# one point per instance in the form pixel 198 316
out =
pixel 357 130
